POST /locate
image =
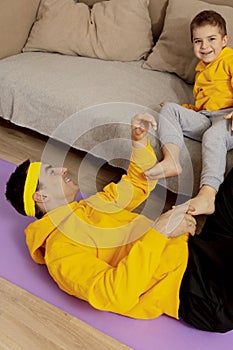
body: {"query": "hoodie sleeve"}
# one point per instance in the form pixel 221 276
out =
pixel 133 188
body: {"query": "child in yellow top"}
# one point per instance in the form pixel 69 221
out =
pixel 206 120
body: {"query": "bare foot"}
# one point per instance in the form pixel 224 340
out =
pixel 165 168
pixel 203 203
pixel 169 166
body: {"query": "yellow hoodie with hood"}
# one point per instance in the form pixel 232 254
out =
pixel 100 251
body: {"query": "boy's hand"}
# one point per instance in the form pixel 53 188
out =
pixel 139 128
pixel 229 116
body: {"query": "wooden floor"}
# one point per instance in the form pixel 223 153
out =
pixel 29 323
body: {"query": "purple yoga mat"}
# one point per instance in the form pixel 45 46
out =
pixel 16 266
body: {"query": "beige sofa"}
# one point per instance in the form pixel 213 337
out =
pixel 81 84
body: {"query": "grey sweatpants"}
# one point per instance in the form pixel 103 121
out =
pixel 208 127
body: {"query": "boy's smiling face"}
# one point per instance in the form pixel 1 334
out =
pixel 208 43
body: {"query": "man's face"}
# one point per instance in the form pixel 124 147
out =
pixel 56 186
pixel 208 42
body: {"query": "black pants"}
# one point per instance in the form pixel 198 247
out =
pixel 206 293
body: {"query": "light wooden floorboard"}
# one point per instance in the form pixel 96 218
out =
pixel 29 323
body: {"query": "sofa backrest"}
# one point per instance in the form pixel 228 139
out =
pixel 17 18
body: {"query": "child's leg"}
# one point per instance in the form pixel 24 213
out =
pixel 217 140
pixel 174 121
pixel 220 223
pixel 169 166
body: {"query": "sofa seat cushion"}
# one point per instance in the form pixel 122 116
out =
pixel 39 90
pixel 88 103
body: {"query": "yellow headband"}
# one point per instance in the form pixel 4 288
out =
pixel 30 188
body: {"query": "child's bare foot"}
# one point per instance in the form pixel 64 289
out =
pixel 165 168
pixel 169 166
pixel 203 203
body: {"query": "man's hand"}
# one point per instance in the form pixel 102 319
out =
pixel 229 116
pixel 176 222
pixel 139 128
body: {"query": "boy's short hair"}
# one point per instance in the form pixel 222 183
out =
pixel 208 17
pixel 15 189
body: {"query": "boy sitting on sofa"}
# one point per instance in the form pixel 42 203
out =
pixel 206 120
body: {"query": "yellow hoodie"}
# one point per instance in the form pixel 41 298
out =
pixel 100 251
pixel 213 88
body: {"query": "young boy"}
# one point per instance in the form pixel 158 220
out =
pixel 209 120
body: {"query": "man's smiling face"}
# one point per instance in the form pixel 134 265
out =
pixel 56 186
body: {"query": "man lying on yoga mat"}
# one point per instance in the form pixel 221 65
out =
pixel 98 250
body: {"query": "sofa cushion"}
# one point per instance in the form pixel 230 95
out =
pixel 16 19
pixel 110 30
pixel 157 10
pixel 173 52
pixel 91 2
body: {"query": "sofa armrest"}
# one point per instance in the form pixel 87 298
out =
pixel 16 19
